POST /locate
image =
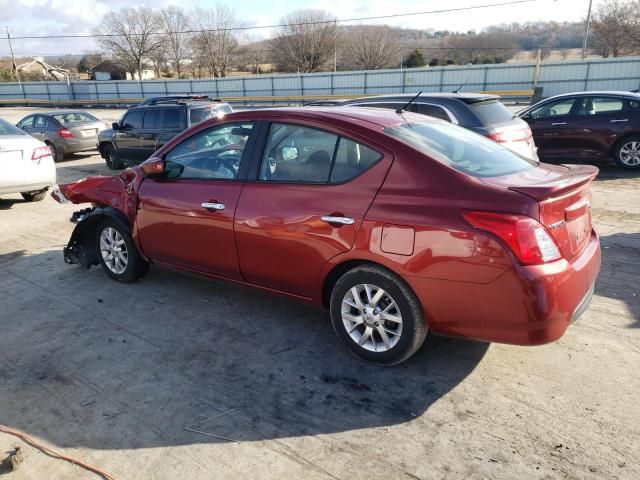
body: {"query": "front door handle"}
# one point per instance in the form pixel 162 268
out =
pixel 212 206
pixel 621 120
pixel 557 124
pixel 340 220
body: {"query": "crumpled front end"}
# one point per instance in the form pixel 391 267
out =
pixel 111 197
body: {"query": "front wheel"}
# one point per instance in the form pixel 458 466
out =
pixel 117 253
pixel 377 315
pixel 112 158
pixel 627 153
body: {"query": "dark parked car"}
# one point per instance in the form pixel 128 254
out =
pixel 144 129
pixel 588 126
pixel 480 113
pixel 64 131
pixel 400 224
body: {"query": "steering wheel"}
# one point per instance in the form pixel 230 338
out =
pixel 221 142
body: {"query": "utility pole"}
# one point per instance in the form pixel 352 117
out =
pixel 586 32
pixel 335 46
pixel 14 67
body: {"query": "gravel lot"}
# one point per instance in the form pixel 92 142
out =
pixel 112 374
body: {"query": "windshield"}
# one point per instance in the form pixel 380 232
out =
pixel 70 118
pixel 7 129
pixel 492 112
pixel 460 148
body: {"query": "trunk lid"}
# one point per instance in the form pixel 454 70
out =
pixel 563 194
pixel 15 149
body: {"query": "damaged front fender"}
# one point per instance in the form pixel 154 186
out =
pixel 118 191
pixel 82 248
pixel 113 197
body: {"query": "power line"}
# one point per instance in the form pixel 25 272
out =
pixel 241 28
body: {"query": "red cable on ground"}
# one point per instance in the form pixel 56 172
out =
pixel 52 453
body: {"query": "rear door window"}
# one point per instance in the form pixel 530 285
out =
pixel 151 119
pixel 41 122
pixel 599 105
pixel 460 148
pixel 172 118
pixel 491 112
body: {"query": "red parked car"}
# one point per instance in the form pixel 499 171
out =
pixel 398 223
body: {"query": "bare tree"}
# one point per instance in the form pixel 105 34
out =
pixel 306 42
pixel 372 47
pixel 611 26
pixel 131 36
pixel 175 20
pixel 215 40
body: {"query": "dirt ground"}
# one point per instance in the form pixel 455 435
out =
pixel 113 374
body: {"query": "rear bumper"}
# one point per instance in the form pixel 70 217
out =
pixel 527 305
pixel 72 145
pixel 28 178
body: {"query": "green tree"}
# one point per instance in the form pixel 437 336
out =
pixel 415 59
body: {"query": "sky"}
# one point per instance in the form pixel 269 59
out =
pixel 41 17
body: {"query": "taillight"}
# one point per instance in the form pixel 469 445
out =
pixel 527 238
pixel 65 133
pixel 40 152
pixel 519 135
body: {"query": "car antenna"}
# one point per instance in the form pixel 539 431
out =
pixel 457 90
pixel 400 110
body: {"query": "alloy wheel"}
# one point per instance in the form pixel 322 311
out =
pixel 114 250
pixel 371 317
pixel 630 154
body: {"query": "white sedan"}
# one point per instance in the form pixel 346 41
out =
pixel 26 164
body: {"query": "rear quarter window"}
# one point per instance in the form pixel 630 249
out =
pixel 460 149
pixel 491 112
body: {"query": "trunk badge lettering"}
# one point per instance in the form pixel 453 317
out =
pixel 557 224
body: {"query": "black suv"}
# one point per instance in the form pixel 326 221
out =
pixel 479 112
pixel 144 129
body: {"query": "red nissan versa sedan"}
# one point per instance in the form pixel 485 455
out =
pixel 398 223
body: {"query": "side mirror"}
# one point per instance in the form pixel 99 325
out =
pixel 527 117
pixel 115 126
pixel 153 166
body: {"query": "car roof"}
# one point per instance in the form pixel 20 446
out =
pixel 59 112
pixel 381 117
pixel 595 93
pixel 466 97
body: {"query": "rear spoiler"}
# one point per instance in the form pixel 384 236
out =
pixel 576 176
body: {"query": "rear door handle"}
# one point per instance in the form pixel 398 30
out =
pixel 557 124
pixel 621 120
pixel 340 220
pixel 212 206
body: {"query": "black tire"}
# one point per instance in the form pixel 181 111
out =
pixel 37 196
pixel 112 158
pixel 136 266
pixel 618 154
pixel 414 325
pixel 56 153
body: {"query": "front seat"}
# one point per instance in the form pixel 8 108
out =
pixel 589 107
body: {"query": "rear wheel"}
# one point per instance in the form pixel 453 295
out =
pixel 377 315
pixel 627 153
pixel 112 158
pixel 117 253
pixel 56 153
pixel 36 196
